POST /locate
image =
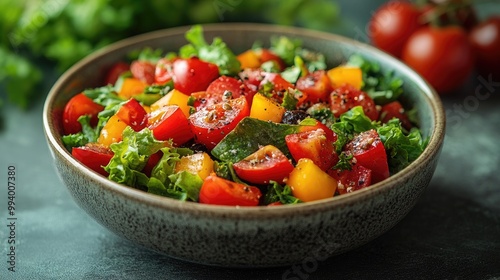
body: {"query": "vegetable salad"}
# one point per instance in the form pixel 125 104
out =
pixel 269 126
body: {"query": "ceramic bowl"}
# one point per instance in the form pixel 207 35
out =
pixel 245 236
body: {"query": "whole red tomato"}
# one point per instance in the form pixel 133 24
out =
pixel 392 24
pixel 443 56
pixel 485 40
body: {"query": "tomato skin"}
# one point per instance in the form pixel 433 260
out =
pixel 316 86
pixel 267 55
pixel 115 72
pixel 395 110
pixel 151 163
pixel 266 164
pixel 169 122
pixel 344 98
pixel 392 25
pixel 313 145
pixel 357 178
pixel 216 90
pixel 210 124
pixel 369 151
pixel 77 106
pixel 133 114
pixel 163 71
pixel 330 135
pixel 192 74
pixel 485 40
pixel 219 191
pixel 143 70
pixel 443 56
pixel 94 156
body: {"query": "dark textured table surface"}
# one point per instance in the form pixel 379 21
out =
pixel 453 232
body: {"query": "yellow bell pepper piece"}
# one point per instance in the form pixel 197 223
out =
pixel 308 182
pixel 131 87
pixel 249 59
pixel 341 75
pixel 174 97
pixel 112 131
pixel 266 109
pixel 199 163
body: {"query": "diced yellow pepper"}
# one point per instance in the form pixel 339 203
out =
pixel 112 131
pixel 249 59
pixel 131 87
pixel 308 182
pixel 199 163
pixel 341 75
pixel 266 109
pixel 174 97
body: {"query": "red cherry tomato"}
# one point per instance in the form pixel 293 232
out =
pixel 163 71
pixel 219 191
pixel 169 122
pixel 133 114
pixel 143 70
pixel 224 88
pixel 330 135
pixel 115 72
pixel 344 98
pixel 210 124
pixel 266 164
pixel 485 40
pixel 314 145
pixel 443 56
pixel 94 156
pixel 392 25
pixel 193 74
pixel 151 163
pixel 316 86
pixel 77 106
pixel 395 110
pixel 357 178
pixel 368 150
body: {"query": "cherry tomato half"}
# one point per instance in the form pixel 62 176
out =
pixel 77 106
pixel 266 164
pixel 169 122
pixel 219 191
pixel 344 98
pixel 314 145
pixel 368 150
pixel 212 123
pixel 316 86
pixel 143 70
pixel 357 178
pixel 94 156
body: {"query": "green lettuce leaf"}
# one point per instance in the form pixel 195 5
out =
pixel 87 135
pixel 279 193
pixel 382 87
pixel 131 155
pixel 350 123
pixel 401 149
pixel 218 52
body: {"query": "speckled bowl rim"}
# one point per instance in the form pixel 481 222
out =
pixel 435 141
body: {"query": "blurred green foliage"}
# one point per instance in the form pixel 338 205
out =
pixel 61 32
